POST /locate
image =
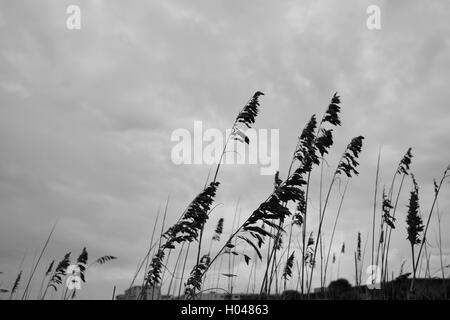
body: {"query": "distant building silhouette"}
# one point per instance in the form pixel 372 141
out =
pixel 133 293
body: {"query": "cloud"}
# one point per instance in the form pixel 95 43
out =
pixel 86 116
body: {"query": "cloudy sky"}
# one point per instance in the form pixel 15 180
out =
pixel 86 116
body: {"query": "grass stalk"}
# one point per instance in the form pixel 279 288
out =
pixel 37 262
pixel 333 232
pixel 375 210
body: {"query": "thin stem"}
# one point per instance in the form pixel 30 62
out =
pixel 322 276
pixel 390 230
pixel 332 234
pixel 146 257
pixel 184 267
pixel 144 287
pixel 288 252
pixel 175 269
pixel 37 263
pixel 304 233
pixel 414 268
pixel 151 242
pixel 375 209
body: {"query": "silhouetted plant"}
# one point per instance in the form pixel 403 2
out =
pixel 348 161
pixel 403 167
pixel 358 247
pixel 277 180
pixel 323 141
pixel 58 274
pixel 50 268
pixel 347 165
pixel 15 285
pixel 287 272
pixel 437 188
pixel 386 208
pixel 190 226
pixel 194 282
pixel 413 219
pixel 273 211
pixel 402 170
pixel 46 274
pixel 250 111
pixel 105 259
pixel 82 262
pixel 185 230
pixel 219 230
pixel 246 117
pixel 414 224
pixel 309 255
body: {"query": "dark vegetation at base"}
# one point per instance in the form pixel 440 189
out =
pixel 341 289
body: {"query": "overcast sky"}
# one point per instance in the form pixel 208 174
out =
pixel 86 116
